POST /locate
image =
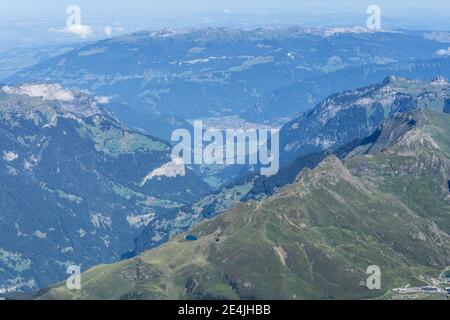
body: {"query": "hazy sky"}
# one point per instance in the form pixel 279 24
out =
pixel 38 21
pixel 33 8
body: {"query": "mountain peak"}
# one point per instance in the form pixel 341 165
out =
pixel 395 79
pixel 401 81
pixel 330 169
pixel 52 99
pixel 389 80
pixel 439 80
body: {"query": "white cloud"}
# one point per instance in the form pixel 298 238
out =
pixel 80 30
pixel 102 99
pixel 108 30
pixel 44 91
pixel 443 52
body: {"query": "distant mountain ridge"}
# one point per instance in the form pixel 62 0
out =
pixel 213 72
pixel 303 95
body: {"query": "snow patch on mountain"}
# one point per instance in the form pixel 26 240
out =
pixel 328 32
pixel 338 30
pixel 41 235
pixel 10 156
pixel 98 220
pixel 91 52
pixel 140 220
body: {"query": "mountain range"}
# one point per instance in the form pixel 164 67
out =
pixel 349 109
pixel 386 204
pixel 214 72
pixel 87 177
